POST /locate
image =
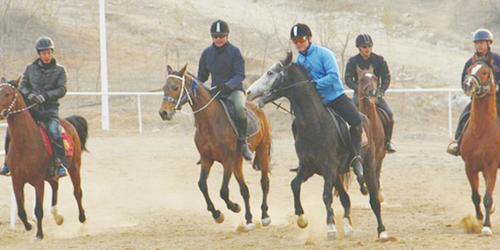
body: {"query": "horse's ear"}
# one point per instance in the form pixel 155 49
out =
pixel 474 58
pixel 370 69
pixel 359 71
pixel 169 70
pixel 183 70
pixel 289 56
pixel 3 80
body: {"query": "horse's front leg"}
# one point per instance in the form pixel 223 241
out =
pixel 224 190
pixel 39 192
pixel 19 193
pixel 371 179
pixel 328 199
pixel 238 174
pixel 490 177
pixel 473 177
pixel 54 184
pixel 346 203
pixel 202 183
pixel 302 175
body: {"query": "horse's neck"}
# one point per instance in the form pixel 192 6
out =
pixel 22 127
pixel 307 106
pixel 484 109
pixel 211 111
pixel 368 108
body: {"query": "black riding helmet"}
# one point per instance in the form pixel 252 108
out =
pixel 44 43
pixel 300 30
pixel 219 27
pixel 364 40
pixel 482 35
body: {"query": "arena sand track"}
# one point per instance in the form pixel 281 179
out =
pixel 141 192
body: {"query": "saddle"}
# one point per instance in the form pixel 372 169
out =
pixel 384 117
pixel 343 129
pixel 253 124
pixel 67 141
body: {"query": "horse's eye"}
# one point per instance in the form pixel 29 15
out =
pixel 176 88
pixel 270 73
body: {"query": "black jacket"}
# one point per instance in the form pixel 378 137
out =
pixel 225 64
pixel 380 69
pixel 48 80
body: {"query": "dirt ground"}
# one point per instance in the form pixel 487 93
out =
pixel 141 192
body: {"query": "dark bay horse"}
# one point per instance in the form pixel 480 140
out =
pixel 367 96
pixel 318 144
pixel 480 145
pixel 29 160
pixel 216 141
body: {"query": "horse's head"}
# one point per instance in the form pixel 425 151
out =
pixel 367 84
pixel 272 84
pixel 479 80
pixel 175 92
pixel 8 96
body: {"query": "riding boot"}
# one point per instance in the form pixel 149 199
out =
pixel 242 139
pixel 453 147
pixel 61 161
pixel 5 169
pixel 388 147
pixel 356 162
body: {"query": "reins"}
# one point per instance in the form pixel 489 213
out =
pixel 5 113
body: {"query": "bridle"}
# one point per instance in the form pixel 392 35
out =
pixel 185 95
pixel 372 93
pixel 275 87
pixel 480 90
pixel 5 113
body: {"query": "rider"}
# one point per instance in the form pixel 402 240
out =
pixel 323 69
pixel 224 62
pixel 44 83
pixel 364 60
pixel 482 39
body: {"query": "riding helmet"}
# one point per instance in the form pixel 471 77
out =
pixel 364 40
pixel 44 43
pixel 482 35
pixel 219 27
pixel 300 30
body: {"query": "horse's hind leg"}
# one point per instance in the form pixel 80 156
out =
pixel 224 190
pixel 473 177
pixel 202 183
pixel 19 193
pixel 39 192
pixel 263 158
pixel 238 174
pixel 328 199
pixel 490 177
pixel 346 203
pixel 74 173
pixel 54 184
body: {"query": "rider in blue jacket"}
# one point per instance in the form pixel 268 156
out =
pixel 324 71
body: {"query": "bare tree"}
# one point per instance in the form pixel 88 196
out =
pixel 342 53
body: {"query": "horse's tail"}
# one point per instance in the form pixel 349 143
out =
pixel 256 160
pixel 344 179
pixel 81 127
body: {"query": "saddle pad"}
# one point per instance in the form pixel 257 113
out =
pixel 253 126
pixel 68 143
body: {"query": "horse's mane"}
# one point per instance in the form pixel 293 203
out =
pixel 302 70
pixel 198 81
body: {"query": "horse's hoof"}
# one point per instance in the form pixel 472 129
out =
pixel 364 190
pixel 383 235
pixel 348 230
pixel 82 218
pixel 59 219
pixel 486 231
pixel 220 219
pixel 331 232
pixel 249 227
pixel 302 221
pixel 28 226
pixel 236 208
pixel 36 239
pixel 381 197
pixel 266 221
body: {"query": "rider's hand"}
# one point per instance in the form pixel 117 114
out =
pixel 36 98
pixel 31 97
pixel 223 88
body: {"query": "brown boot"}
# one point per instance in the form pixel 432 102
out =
pixel 453 148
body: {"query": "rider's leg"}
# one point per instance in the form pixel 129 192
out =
pixel 388 136
pixel 453 148
pixel 57 147
pixel 5 169
pixel 237 97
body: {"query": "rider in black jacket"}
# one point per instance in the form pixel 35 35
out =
pixel 44 83
pixel 364 60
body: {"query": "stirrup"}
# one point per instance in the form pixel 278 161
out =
pixel 453 148
pixel 5 170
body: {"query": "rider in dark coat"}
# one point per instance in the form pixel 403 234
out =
pixel 364 60
pixel 482 39
pixel 44 83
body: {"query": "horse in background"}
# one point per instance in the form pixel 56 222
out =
pixel 215 140
pixel 318 143
pixel 367 96
pixel 29 160
pixel 480 145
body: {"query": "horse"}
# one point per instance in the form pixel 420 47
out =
pixel 368 96
pixel 318 144
pixel 215 140
pixel 480 144
pixel 29 159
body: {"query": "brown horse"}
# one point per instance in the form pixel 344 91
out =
pixel 480 146
pixel 367 96
pixel 29 160
pixel 216 141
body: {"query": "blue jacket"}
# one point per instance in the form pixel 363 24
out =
pixel 225 64
pixel 324 71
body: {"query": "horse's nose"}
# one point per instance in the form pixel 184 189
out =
pixel 163 115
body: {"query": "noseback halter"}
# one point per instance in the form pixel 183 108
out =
pixel 480 90
pixel 6 112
